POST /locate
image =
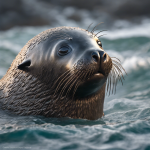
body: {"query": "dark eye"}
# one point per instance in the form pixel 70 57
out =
pixel 99 43
pixel 64 50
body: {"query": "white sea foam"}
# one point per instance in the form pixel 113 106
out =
pixel 136 62
pixel 142 30
pixel 132 60
pixel 11 46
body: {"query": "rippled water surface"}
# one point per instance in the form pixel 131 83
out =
pixel 126 124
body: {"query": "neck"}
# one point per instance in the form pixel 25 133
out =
pixel 24 94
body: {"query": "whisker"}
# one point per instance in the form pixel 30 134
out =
pixel 67 83
pixel 108 81
pixel 82 76
pixel 73 84
pixel 119 70
pixel 75 89
pixel 99 32
pixel 119 65
pixel 96 26
pixel 110 84
pixel 68 71
pixel 77 84
pixel 116 72
pixel 112 77
pixel 89 27
pixel 92 71
pixel 114 82
pixel 61 83
pixel 86 75
pixel 101 35
pixel 120 79
pixel 116 58
pixel 115 75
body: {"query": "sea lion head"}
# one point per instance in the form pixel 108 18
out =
pixel 73 66
pixel 74 51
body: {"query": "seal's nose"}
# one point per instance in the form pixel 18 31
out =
pixel 95 56
pixel 103 56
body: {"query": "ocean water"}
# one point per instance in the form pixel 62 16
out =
pixel 126 124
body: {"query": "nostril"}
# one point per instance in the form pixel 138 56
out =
pixel 95 56
pixel 104 56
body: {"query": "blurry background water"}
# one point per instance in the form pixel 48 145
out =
pixel 126 124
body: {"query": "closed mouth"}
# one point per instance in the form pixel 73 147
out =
pixel 97 76
pixel 100 71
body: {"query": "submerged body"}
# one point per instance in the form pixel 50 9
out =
pixel 61 72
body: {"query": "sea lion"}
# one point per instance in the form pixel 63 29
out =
pixel 61 72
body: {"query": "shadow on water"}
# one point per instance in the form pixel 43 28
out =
pixel 40 120
pixel 69 121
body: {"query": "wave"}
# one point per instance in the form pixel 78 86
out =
pixel 129 30
pixel 135 63
pixel 10 46
pixel 132 60
pixel 141 30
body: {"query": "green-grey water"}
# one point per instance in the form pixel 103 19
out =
pixel 126 124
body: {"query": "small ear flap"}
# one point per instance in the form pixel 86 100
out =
pixel 24 64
